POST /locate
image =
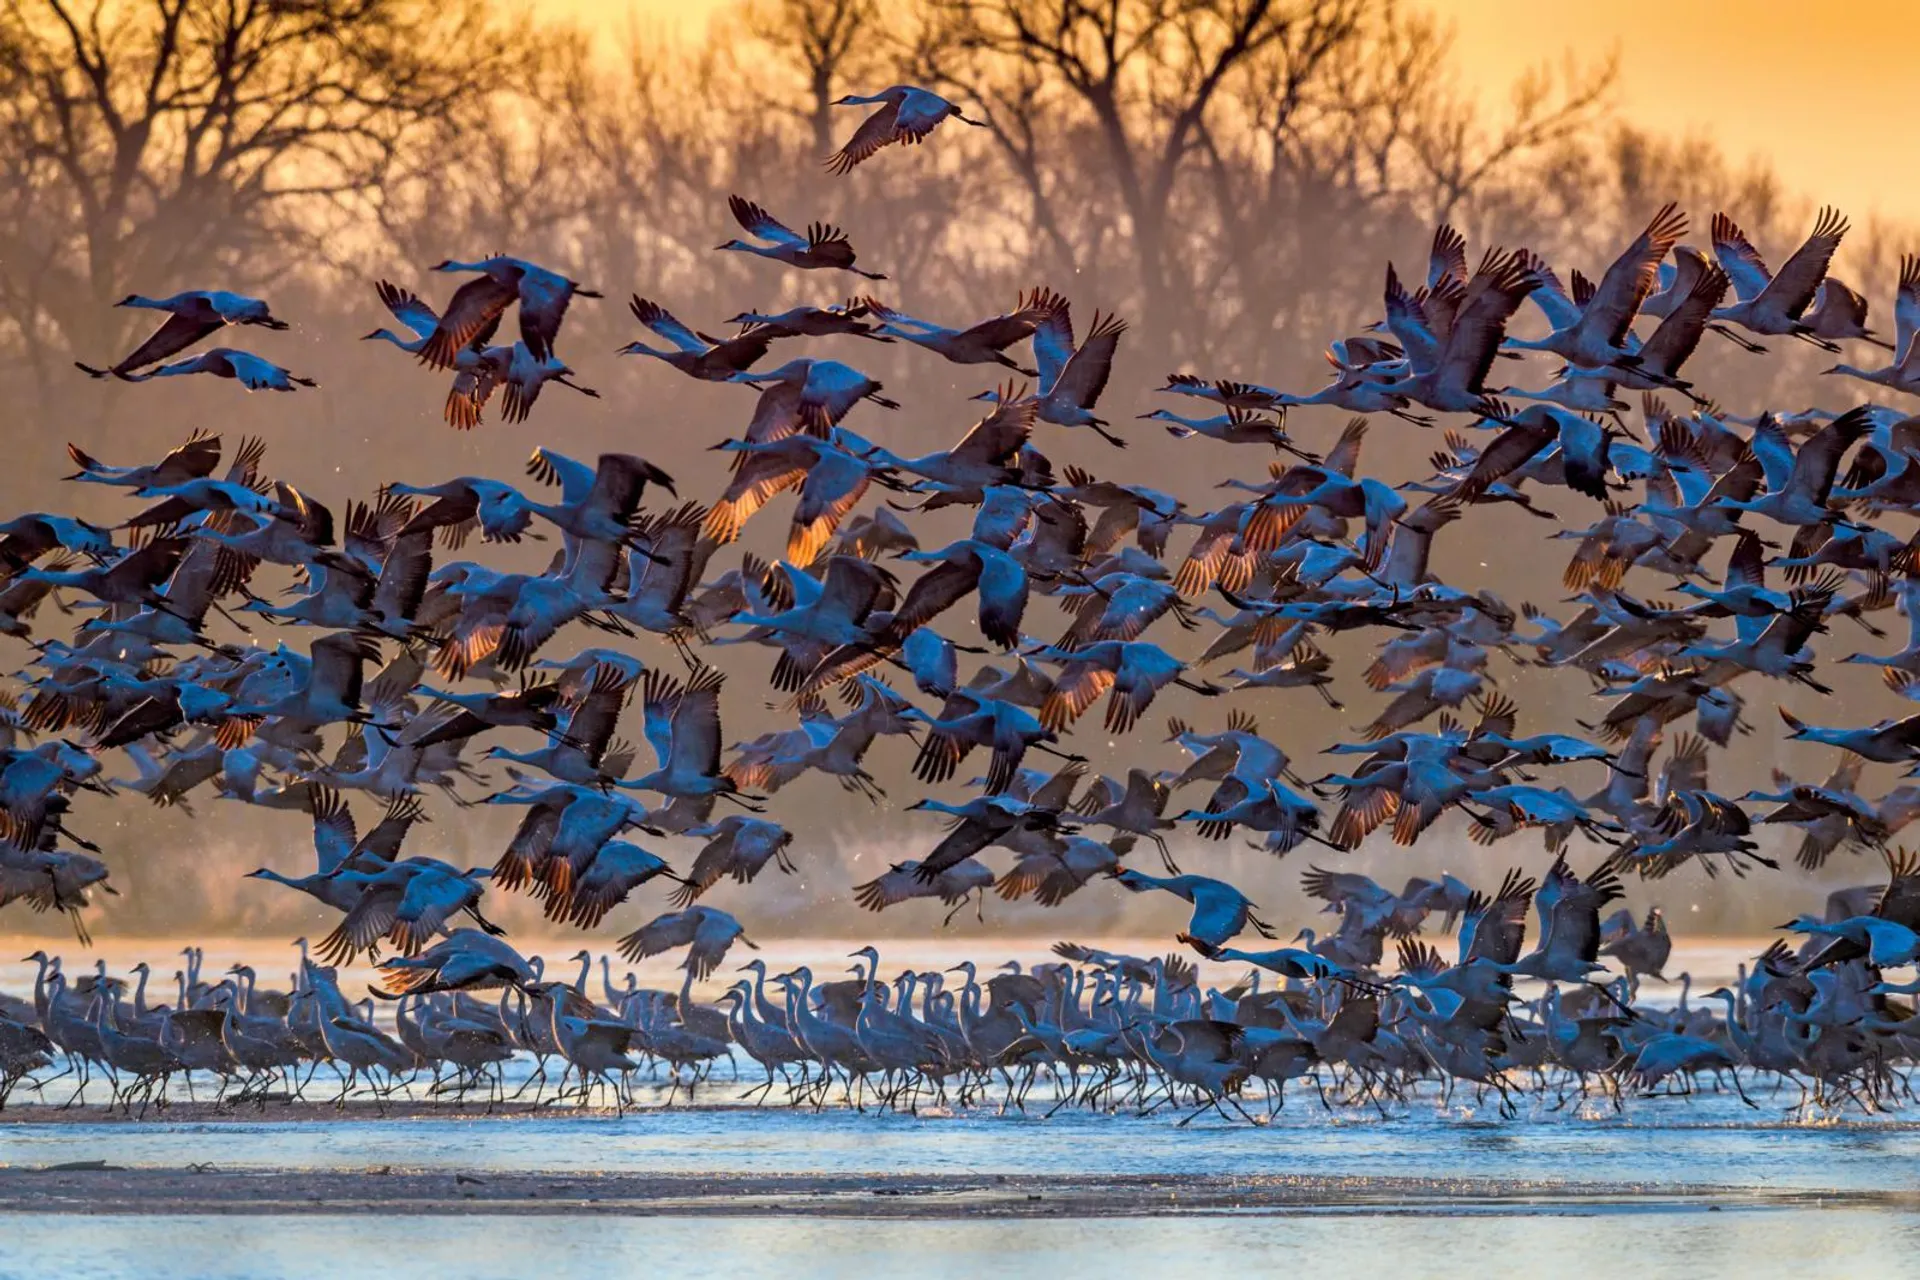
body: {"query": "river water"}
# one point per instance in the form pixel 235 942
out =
pixel 1648 1245
pixel 1666 1149
pixel 1857 1180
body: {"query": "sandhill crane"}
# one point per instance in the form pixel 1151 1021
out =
pixel 585 892
pixel 822 391
pixel 952 886
pixel 983 343
pixel 767 1043
pixel 520 372
pixel 1072 377
pixel 364 1048
pixel 970 719
pixel 407 903
pixel 1136 808
pixel 1583 450
pixel 594 1047
pixel 707 933
pixel 693 354
pixel 1840 312
pixel 963 567
pixel 1888 943
pixel 1665 1056
pixel 815 322
pixel 824 246
pixel 1641 949
pixel 1051 874
pixel 986 456
pixel 1130 672
pixel 1902 371
pixel 1451 377
pixel 683 727
pixel 577 749
pixel 1774 304
pixel 499 510
pixel 26 538
pixel 24 1051
pixel 1885 741
pixel 1594 337
pixel 907 115
pixel 195 459
pixel 1800 481
pixel 738 846
pixel 543 296
pixel 1220 911
pixel 464 960
pixel 191 316
pixel 1236 426
pixel 249 370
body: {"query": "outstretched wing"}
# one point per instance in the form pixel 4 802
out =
pixel 474 305
pixel 758 222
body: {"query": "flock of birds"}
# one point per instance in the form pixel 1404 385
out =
pixel 414 661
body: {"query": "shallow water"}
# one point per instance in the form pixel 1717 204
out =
pixel 1753 1244
pixel 1663 1146
pixel 1712 1140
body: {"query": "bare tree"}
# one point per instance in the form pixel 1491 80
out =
pixel 152 142
pixel 1148 75
pixel 826 43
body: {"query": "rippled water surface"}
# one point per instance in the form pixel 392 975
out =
pixel 1661 1144
pixel 1711 1140
pixel 1756 1245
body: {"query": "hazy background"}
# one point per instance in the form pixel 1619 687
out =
pixel 1232 181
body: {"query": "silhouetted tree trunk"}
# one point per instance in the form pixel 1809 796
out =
pixel 826 42
pixel 163 144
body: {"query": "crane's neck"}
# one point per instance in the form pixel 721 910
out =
pixel 686 991
pixel 741 1015
pixel 41 996
pixel 760 1002
pixel 1737 1031
pixel 800 1002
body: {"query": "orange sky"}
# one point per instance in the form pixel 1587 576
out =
pixel 1823 91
